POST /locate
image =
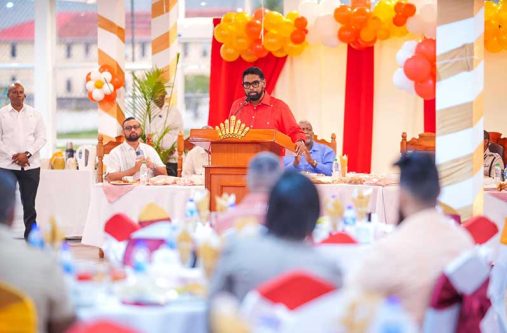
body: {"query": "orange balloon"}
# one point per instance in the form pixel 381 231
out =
pixel 248 55
pixel 399 20
pixel 360 17
pixel 502 40
pixel 88 76
pixel 111 97
pixel 224 33
pixel 409 10
pixel 228 17
pixel 241 43
pixel 117 81
pixel 272 41
pixel 280 53
pixel 229 53
pixel 342 14
pixel 367 35
pixel 258 49
pixel 90 97
pixel 301 22
pixel 374 23
pixel 106 68
pixel 399 7
pixel 383 34
pixel 347 34
pixel 426 89
pixel 297 36
pixel 493 45
pixel 259 13
pixel 253 29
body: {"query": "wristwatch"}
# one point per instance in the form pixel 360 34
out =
pixel 28 154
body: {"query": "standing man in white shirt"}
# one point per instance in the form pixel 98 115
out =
pixel 166 116
pixel 126 159
pixel 22 135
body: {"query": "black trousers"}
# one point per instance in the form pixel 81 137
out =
pixel 28 181
pixel 172 169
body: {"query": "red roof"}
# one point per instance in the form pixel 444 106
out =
pixel 83 25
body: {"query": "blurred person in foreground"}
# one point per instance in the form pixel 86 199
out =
pixel 263 172
pixel 408 262
pixel 248 262
pixel 35 273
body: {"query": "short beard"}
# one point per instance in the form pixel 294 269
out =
pixel 255 97
pixel 132 138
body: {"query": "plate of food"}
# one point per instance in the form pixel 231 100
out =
pixel 120 182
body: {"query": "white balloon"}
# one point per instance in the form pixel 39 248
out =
pixel 90 85
pixel 108 88
pixel 95 75
pixel 402 56
pixel 401 81
pixel 310 10
pixel 409 46
pixel 107 76
pixel 98 94
pixel 328 6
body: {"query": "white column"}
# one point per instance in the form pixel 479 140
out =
pixel 44 85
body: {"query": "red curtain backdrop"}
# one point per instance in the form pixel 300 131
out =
pixel 358 117
pixel 225 80
pixel 430 121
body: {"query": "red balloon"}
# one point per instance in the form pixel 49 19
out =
pixel 253 29
pixel 399 7
pixel 426 89
pixel 342 14
pixel 427 48
pixel 258 49
pixel 360 17
pixel 347 34
pixel 297 36
pixel 360 44
pixel 399 20
pixel 117 81
pixel 259 13
pixel 300 22
pixel 106 68
pixel 111 97
pixel 409 10
pixel 417 68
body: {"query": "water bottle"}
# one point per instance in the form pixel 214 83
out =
pixel 143 173
pixel 69 150
pixel 66 260
pixel 498 173
pixel 140 257
pixel 35 238
pixel 191 212
pixel 349 216
pixel 336 169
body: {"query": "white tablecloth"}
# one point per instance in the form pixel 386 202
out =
pixel 180 316
pixel 383 202
pixel 64 194
pixel 172 198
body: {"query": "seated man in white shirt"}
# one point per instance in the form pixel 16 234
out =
pixel 127 158
pixel 195 161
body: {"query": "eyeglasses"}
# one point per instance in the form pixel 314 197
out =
pixel 129 128
pixel 254 84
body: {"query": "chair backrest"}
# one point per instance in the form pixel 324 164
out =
pixel 425 142
pixel 496 137
pixel 183 145
pixel 17 311
pixel 459 302
pixel 103 149
pixel 331 144
pixel 496 148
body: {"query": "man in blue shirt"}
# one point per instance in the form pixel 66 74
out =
pixel 316 158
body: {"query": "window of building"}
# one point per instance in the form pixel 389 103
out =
pixel 68 51
pixel 68 86
pixel 87 50
pixel 205 51
pixel 14 50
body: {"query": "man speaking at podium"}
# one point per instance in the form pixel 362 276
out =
pixel 259 110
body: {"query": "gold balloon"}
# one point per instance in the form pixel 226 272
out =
pixel 228 52
pixel 248 55
pixel 294 49
pixel 272 41
pixel 280 53
pixel 492 45
pixel 241 43
pixel 224 33
pixel 292 15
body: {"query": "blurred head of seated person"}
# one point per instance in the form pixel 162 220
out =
pixel 407 262
pixel 491 159
pixel 195 160
pixel 263 172
pixel 127 158
pixel 33 272
pixel 247 262
pixel 316 158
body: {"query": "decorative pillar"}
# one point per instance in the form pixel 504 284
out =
pixel 459 104
pixel 111 48
pixel 164 38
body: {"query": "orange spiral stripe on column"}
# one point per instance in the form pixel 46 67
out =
pixel 164 36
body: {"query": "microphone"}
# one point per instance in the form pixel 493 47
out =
pixel 245 103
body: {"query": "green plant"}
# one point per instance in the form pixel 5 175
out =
pixel 146 90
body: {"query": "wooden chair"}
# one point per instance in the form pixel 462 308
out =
pixel 17 311
pixel 331 144
pixel 103 150
pixel 183 145
pixel 425 142
pixel 496 137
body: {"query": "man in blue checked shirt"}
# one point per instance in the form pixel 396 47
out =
pixel 316 158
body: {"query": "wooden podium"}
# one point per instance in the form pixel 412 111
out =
pixel 230 157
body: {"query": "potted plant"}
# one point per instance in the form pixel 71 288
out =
pixel 148 90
